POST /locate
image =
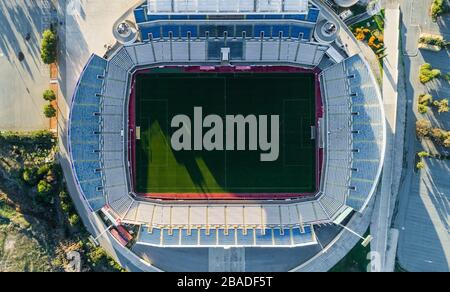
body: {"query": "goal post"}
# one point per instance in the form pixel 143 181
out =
pixel 138 133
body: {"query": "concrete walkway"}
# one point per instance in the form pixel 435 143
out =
pixel 380 221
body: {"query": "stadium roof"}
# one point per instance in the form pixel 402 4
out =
pixel 227 6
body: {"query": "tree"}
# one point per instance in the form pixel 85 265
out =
pixel 442 105
pixel 44 187
pixel 437 135
pixel 446 143
pixel 420 165
pixel 49 95
pixel 44 191
pixel 425 99
pixel 43 170
pixel 49 47
pixel 74 220
pixel 49 111
pixel 423 109
pixel 438 7
pixel 30 176
pixel 427 73
pixel 424 102
pixel 423 154
pixel 423 128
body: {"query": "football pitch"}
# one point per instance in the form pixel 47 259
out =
pixel 161 96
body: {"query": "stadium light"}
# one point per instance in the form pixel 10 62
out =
pixel 103 232
pixel 365 240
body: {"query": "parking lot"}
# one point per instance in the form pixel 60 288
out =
pixel 23 77
pixel 423 209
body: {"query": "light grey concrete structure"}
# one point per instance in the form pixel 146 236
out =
pixel 354 191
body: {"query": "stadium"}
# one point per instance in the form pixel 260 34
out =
pixel 284 58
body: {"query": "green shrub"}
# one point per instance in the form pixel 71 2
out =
pixel 438 7
pixel 44 187
pixel 43 170
pixel 420 165
pixel 423 154
pixel 447 76
pixel 427 73
pixel 49 95
pixel 425 99
pixel 423 109
pixel 74 220
pixel 49 47
pixel 434 41
pixel 44 191
pixel 442 105
pixel 66 202
pixel 30 176
pixel 49 111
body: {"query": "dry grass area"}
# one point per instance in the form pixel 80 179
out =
pixel 35 231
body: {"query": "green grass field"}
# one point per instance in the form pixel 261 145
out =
pixel 160 96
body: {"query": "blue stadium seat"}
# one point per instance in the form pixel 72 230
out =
pixel 88 94
pixel 276 29
pixel 221 29
pixel 85 151
pixel 140 16
pixel 227 239
pixel 295 16
pixel 197 17
pixel 98 62
pixel 179 17
pixel 189 28
pixel 367 132
pixel 189 239
pixel 154 30
pixel 210 239
pixel 174 29
pixel 300 238
pixel 365 169
pixel 313 15
pixel 297 30
pixel 236 49
pixel 245 240
pixel 255 16
pixel 366 114
pixel 171 239
pixel 282 239
pixel 366 151
pixel 248 29
pixel 80 115
pixel 83 140
pixel 266 29
pixel 264 239
pixel 273 16
pixel 214 49
pixel 153 238
pixel 153 17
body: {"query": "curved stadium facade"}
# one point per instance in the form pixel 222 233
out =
pixel 349 125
